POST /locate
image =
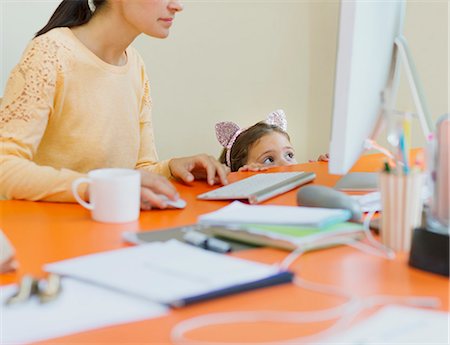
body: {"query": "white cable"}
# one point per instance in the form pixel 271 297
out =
pixel 183 327
pixel 390 254
pixel 372 144
pixel 289 260
pixel 345 313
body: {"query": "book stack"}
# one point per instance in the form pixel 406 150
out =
pixel 284 227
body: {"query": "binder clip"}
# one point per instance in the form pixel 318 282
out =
pixel 45 289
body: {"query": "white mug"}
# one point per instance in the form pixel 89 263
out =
pixel 114 194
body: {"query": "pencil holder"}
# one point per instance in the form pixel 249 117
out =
pixel 401 205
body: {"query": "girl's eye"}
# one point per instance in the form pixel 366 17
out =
pixel 268 160
pixel 290 155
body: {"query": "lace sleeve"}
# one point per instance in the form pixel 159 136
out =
pixel 24 113
pixel 32 82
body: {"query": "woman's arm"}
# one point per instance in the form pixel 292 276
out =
pixel 24 112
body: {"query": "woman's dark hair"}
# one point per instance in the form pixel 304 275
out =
pixel 244 142
pixel 70 13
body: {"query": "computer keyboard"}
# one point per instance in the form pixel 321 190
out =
pixel 259 187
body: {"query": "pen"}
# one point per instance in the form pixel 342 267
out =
pixel 203 241
pixel 218 246
pixel 403 154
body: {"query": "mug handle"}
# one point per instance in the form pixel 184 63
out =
pixel 75 185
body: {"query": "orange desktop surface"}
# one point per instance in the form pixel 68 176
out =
pixel 47 232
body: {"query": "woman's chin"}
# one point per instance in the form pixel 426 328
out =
pixel 159 34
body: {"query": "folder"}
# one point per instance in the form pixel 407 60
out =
pixel 171 273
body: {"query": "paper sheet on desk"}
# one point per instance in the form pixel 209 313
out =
pixel 371 202
pixel 397 325
pixel 80 307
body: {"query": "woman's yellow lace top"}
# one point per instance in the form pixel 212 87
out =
pixel 66 112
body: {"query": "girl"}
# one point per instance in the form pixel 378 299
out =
pixel 258 147
pixel 79 100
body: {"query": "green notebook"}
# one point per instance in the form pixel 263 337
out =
pixel 290 237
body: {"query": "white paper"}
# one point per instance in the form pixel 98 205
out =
pixel 240 213
pixel 397 325
pixel 370 202
pixel 79 307
pixel 163 272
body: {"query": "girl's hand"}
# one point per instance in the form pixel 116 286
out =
pixel 322 158
pixel 253 167
pixel 202 166
pixel 153 184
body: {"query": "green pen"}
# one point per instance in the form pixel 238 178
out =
pixel 387 168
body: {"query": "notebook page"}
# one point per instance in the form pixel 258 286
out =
pixel 240 213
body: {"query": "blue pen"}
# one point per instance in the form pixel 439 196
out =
pixel 401 145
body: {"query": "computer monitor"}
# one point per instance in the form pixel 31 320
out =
pixel 370 51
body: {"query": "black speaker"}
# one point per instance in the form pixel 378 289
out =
pixel 430 251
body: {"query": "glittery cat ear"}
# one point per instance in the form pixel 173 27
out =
pixel 225 131
pixel 277 118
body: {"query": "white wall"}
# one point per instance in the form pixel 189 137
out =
pixel 228 61
pixel 238 60
pixel 427 31
pixel 19 21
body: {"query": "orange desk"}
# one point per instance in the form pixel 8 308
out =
pixel 48 232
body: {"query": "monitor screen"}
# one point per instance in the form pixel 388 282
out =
pixel 367 30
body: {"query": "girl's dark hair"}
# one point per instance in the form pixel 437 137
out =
pixel 244 142
pixel 70 13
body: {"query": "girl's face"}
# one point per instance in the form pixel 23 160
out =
pixel 151 17
pixel 273 149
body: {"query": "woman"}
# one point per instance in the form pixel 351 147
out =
pixel 79 100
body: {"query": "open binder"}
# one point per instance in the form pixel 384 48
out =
pixel 170 273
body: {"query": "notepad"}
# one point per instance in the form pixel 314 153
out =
pixel 170 273
pixel 79 308
pixel 395 324
pixel 240 213
pixel 291 237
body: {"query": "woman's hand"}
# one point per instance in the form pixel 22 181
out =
pixel 253 167
pixel 322 158
pixel 188 169
pixel 153 184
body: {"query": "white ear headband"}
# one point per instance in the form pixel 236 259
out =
pixel 91 5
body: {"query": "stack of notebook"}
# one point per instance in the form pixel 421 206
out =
pixel 285 227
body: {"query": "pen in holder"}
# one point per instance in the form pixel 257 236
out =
pixel 401 205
